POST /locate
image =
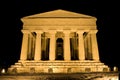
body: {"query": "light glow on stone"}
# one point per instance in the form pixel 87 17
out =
pixel 3 71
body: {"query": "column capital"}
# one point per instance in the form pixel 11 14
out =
pixel 52 31
pixel 73 30
pixel 66 32
pixel 93 31
pixel 80 32
pixel 25 31
pixel 39 32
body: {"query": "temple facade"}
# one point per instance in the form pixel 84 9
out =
pixel 59 41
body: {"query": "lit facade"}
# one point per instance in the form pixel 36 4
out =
pixel 59 41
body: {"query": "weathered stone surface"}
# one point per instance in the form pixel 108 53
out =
pixel 58 67
pixel 62 76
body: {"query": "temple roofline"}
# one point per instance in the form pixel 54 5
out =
pixel 59 13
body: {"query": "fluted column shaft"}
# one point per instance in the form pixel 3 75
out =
pixel 24 48
pixel 94 45
pixel 67 56
pixel 81 48
pixel 52 46
pixel 38 46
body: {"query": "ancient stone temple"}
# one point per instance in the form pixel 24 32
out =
pixel 59 41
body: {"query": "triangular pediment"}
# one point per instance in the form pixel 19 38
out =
pixel 59 13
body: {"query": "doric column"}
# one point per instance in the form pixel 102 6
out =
pixel 52 46
pixel 81 48
pixel 24 48
pixel 38 46
pixel 29 46
pixel 94 45
pixel 89 47
pixel 67 56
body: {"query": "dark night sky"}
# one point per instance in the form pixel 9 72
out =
pixel 105 12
